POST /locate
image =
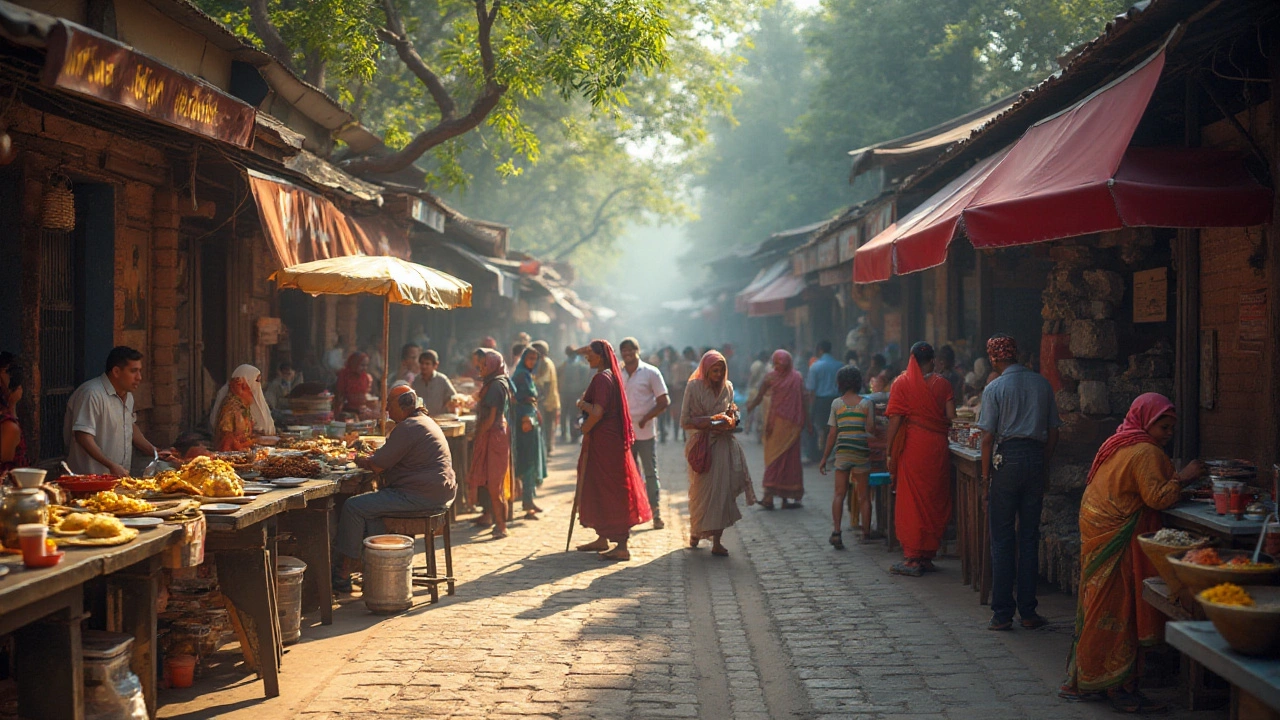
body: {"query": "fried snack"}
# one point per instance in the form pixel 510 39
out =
pixel 1227 594
pixel 75 522
pixel 136 486
pixel 108 501
pixel 278 467
pixel 172 481
pixel 104 526
pixel 203 469
pixel 222 487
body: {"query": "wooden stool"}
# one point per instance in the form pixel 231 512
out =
pixel 881 495
pixel 427 523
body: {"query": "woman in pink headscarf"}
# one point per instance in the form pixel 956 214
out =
pixel 491 451
pixel 783 389
pixel 1130 481
pixel 612 495
pixel 709 416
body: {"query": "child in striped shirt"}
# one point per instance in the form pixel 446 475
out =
pixel 852 421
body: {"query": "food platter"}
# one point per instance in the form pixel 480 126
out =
pixel 289 482
pixel 142 523
pixel 219 508
pixel 128 535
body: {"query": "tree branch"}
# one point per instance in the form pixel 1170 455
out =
pixel 597 224
pixel 442 132
pixel 394 35
pixel 271 38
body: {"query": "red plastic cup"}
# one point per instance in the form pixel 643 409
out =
pixel 1221 500
pixel 32 536
pixel 1239 500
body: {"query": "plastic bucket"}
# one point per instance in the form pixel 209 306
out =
pixel 181 670
pixel 289 573
pixel 388 573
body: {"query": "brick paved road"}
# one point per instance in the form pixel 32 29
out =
pixel 785 628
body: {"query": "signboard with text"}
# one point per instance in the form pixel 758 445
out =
pixel 87 63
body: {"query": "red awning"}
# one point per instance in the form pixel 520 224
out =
pixel 772 300
pixel 919 239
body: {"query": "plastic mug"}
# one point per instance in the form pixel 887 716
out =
pixel 1221 498
pixel 32 536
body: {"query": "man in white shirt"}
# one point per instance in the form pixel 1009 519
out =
pixel 647 398
pixel 101 428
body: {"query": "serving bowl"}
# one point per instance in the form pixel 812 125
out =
pixel 1158 554
pixel 1198 578
pixel 1249 630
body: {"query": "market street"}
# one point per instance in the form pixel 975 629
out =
pixel 785 627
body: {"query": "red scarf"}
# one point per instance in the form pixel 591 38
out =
pixel 787 389
pixel 605 350
pixel 1143 413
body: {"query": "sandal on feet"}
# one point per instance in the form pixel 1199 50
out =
pixel 1134 703
pixel 907 568
pixel 594 546
pixel 499 534
pixel 836 541
pixel 767 505
pixel 694 540
pixel 720 551
pixel 615 554
pixel 1035 622
pixel 531 515
pixel 794 505
pixel 928 566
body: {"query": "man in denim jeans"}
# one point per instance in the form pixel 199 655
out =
pixel 1019 426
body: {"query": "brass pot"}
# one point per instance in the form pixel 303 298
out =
pixel 19 506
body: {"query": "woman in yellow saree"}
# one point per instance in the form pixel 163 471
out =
pixel 1131 479
pixel 784 421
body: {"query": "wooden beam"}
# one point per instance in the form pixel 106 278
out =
pixel 1186 251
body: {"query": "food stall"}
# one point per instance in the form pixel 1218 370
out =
pixel 973 533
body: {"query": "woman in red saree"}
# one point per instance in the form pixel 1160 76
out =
pixel 921 407
pixel 613 498
pixel 1131 479
pixel 784 421
pixel 351 392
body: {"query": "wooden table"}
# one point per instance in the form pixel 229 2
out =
pixel 1255 682
pixel 973 531
pixel 43 609
pixel 1200 517
pixel 245 547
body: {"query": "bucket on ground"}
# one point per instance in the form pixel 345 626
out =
pixel 388 573
pixel 289 572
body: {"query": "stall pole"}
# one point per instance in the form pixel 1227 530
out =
pixel 386 362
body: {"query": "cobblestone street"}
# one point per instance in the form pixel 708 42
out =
pixel 784 628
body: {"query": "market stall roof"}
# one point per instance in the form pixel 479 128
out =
pixel 508 282
pixel 397 280
pixel 762 280
pixel 772 300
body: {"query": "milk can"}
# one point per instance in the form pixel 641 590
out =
pixel 289 574
pixel 388 573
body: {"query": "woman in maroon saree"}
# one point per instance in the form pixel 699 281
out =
pixel 921 407
pixel 612 497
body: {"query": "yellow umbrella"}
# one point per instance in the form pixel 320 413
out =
pixel 396 280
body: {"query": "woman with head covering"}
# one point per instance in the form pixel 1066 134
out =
pixel 240 410
pixel 353 385
pixel 491 451
pixel 531 453
pixel 920 411
pixel 784 420
pixel 709 416
pixel 612 496
pixel 1130 481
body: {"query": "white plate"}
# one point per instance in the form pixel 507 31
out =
pixel 142 523
pixel 249 474
pixel 4 570
pixel 219 508
pixel 288 482
pixel 257 488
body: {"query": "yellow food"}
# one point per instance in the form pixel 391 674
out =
pixel 172 481
pixel 205 468
pixel 1227 594
pixel 139 485
pixel 104 526
pixel 75 522
pixel 108 501
pixel 222 487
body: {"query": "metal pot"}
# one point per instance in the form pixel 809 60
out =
pixel 19 506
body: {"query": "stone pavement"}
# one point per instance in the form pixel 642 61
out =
pixel 784 628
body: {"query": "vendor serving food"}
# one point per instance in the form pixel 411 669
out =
pixel 417 474
pixel 101 428
pixel 240 411
pixel 1131 478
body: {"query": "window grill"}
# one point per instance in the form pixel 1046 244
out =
pixel 57 337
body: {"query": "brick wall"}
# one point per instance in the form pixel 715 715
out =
pixel 1235 426
pixel 166 279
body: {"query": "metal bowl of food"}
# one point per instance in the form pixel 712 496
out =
pixel 1248 629
pixel 1199 572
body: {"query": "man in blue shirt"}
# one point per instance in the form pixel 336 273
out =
pixel 1019 424
pixel 821 389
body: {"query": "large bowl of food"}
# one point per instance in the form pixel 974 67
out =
pixel 1202 568
pixel 78 484
pixel 1158 546
pixel 1248 618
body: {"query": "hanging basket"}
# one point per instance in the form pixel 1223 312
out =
pixel 58 210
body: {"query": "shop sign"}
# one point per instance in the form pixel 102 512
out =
pixel 849 242
pixel 828 252
pixel 1251 337
pixel 423 213
pixel 1151 295
pixel 838 275
pixel 87 63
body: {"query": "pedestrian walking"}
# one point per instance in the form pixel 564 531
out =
pixel 682 366
pixel 759 368
pixel 574 375
pixel 718 471
pixel 920 411
pixel 784 421
pixel 531 452
pixel 548 381
pixel 612 497
pixel 852 422
pixel 820 385
pixel 1131 478
pixel 100 427
pixel 1019 424
pixel 647 398
pixel 491 452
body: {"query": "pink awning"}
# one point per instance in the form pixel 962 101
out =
pixel 772 300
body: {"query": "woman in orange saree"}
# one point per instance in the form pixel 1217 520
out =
pixel 921 407
pixel 784 421
pixel 1130 480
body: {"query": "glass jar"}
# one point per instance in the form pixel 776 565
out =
pixel 20 506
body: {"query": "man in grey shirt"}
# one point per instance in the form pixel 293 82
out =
pixel 1019 424
pixel 431 385
pixel 417 474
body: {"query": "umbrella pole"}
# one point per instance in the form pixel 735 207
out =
pixel 386 360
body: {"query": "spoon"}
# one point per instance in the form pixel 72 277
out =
pixel 1261 537
pixel 67 467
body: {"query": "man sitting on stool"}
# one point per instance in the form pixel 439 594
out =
pixel 417 475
